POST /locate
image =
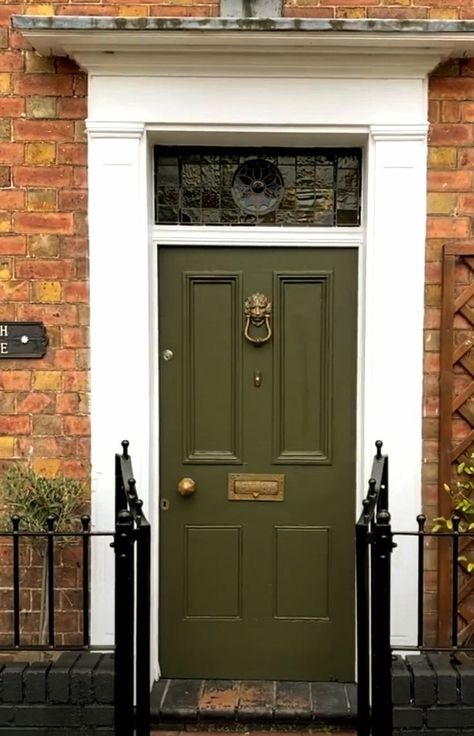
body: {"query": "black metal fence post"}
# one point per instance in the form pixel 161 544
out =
pixel 380 625
pixel 363 625
pixel 143 627
pixel 124 623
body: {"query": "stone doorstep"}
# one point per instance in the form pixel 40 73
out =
pixel 254 705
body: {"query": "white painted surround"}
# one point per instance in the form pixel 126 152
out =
pixel 212 91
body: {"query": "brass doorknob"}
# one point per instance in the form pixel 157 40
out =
pixel 186 487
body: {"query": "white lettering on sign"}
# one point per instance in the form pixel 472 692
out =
pixel 3 348
pixel 3 330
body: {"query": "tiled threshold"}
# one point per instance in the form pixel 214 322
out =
pixel 263 705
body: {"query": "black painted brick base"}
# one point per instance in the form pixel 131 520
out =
pixel 71 696
pixel 432 695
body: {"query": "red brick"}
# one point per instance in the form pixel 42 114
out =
pixel 67 403
pixel 452 89
pixel 63 314
pixel 15 425
pixel 80 85
pixel 76 291
pixel 42 176
pixel 13 245
pixel 79 177
pixel 448 227
pixel 72 153
pixel 75 337
pixel 77 468
pixel 54 85
pixel 18 41
pixel 449 181
pixel 15 380
pixel 73 108
pixel 51 222
pixel 73 199
pixel 6 12
pixel 76 425
pixel 10 61
pixel 451 111
pixel 39 447
pixel 13 199
pixel 466 203
pixel 44 269
pixel 12 107
pixel 65 359
pixel 76 381
pixel 12 153
pixel 461 134
pixel 467 111
pixel 34 403
pixel 433 273
pixel 43 130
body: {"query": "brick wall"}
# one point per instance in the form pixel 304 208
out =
pixel 73 694
pixel 43 226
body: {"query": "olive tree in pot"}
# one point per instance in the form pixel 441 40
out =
pixel 33 498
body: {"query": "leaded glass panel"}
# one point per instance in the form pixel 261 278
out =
pixel 256 186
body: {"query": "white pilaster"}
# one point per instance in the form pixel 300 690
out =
pixel 394 279
pixel 120 317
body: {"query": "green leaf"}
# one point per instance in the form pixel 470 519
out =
pixel 462 558
pixel 470 567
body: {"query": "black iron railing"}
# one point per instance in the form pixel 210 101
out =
pixel 131 543
pixel 53 540
pixel 375 542
pixel 132 622
pixel 373 610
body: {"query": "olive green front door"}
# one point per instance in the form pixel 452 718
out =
pixel 257 458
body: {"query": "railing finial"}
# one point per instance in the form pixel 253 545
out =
pixel 421 520
pixel 125 446
pixel 15 520
pixel 132 487
pixel 85 522
pixel 379 445
pixel 456 519
pixel 383 517
pixel 50 521
pixel 372 484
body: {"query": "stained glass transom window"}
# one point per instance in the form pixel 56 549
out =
pixel 218 186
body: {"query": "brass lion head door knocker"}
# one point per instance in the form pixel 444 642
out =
pixel 258 312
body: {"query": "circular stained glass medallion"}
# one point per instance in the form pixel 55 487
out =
pixel 257 187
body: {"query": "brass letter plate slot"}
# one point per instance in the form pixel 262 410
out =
pixel 255 487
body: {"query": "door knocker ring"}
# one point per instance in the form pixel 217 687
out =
pixel 257 312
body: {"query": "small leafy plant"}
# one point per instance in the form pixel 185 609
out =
pixel 462 505
pixel 34 498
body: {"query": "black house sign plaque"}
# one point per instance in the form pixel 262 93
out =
pixel 23 340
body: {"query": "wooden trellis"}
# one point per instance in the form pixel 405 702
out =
pixel 456 419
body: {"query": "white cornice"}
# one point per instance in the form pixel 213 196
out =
pixel 226 47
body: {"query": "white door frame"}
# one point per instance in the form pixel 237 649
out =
pixel 120 162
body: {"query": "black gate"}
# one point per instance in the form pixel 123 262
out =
pixel 374 556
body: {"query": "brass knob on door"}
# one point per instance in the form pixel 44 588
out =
pixel 186 487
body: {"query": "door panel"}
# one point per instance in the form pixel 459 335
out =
pixel 258 588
